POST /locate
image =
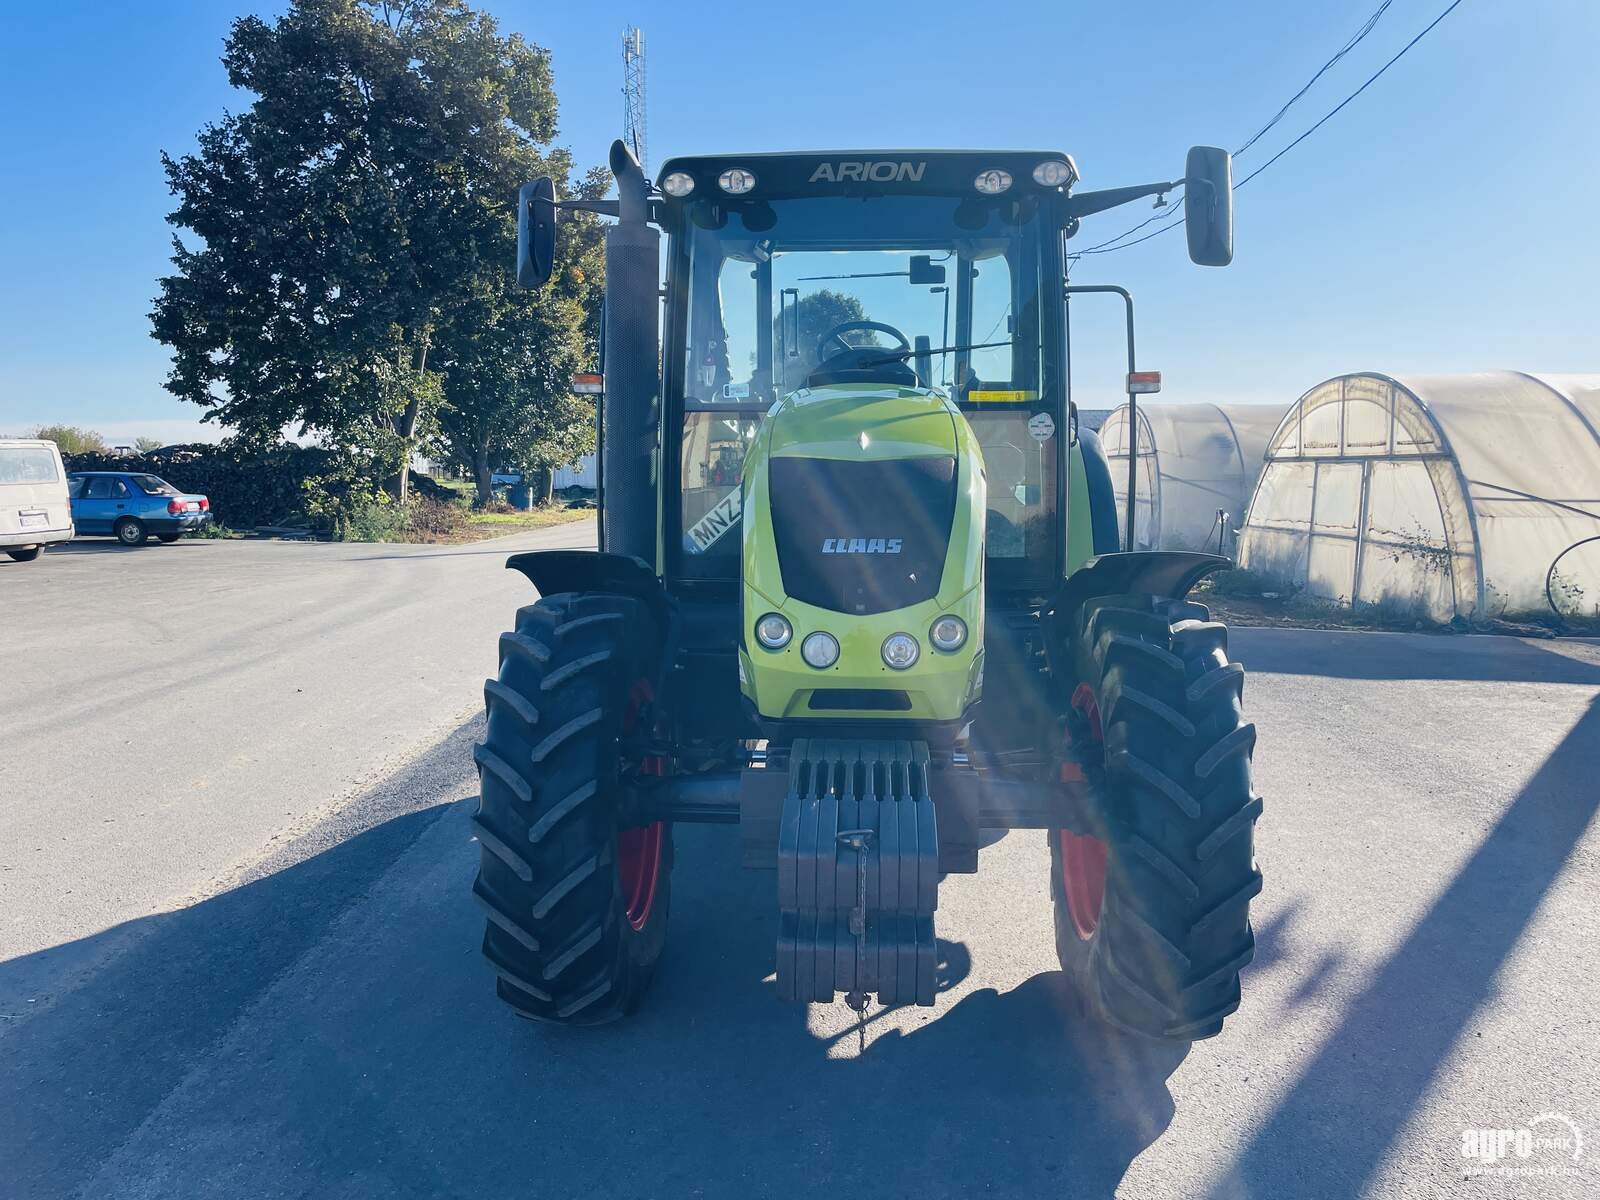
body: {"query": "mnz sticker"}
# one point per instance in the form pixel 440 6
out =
pixel 708 530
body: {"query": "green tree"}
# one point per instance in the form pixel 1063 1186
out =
pixel 69 439
pixel 146 444
pixel 508 359
pixel 363 200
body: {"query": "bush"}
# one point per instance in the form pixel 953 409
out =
pixel 246 487
pixel 1248 584
pixel 369 522
pixel 335 494
pixel 327 490
pixel 429 520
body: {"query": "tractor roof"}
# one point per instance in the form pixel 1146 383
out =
pixel 810 172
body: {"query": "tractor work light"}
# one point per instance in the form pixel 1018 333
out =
pixel 948 633
pixel 900 650
pixel 773 632
pixel 992 182
pixel 678 185
pixel 736 181
pixel 820 650
pixel 1052 172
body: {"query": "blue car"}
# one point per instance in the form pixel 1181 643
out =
pixel 132 506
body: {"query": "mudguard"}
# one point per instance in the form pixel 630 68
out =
pixel 1102 496
pixel 553 571
pixel 1168 573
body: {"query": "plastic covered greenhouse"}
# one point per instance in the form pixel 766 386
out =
pixel 1447 495
pixel 1196 461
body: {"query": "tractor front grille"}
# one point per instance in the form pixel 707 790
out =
pixel 862 536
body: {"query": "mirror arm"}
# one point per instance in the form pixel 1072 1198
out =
pixel 1086 203
pixel 605 208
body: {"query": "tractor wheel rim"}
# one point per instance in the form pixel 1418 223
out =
pixel 639 850
pixel 639 868
pixel 1083 859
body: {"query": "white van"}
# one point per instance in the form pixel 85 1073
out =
pixel 34 508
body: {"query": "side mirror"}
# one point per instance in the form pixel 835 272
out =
pixel 1208 205
pixel 536 232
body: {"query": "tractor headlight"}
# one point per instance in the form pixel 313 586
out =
pixel 820 650
pixel 773 632
pixel 678 185
pixel 1053 173
pixel 993 181
pixel 736 181
pixel 900 650
pixel 948 633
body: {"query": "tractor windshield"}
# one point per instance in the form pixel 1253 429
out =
pixel 770 283
pixel 940 292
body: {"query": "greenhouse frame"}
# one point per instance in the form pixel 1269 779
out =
pixel 1446 496
pixel 1195 461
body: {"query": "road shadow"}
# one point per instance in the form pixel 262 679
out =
pixel 1349 654
pixel 82 1070
pixel 1355 1097
pixel 717 1089
pixel 244 1044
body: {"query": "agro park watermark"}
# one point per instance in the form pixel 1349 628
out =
pixel 1549 1144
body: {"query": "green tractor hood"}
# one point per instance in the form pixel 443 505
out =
pixel 863 519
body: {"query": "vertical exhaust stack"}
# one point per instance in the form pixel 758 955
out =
pixel 630 406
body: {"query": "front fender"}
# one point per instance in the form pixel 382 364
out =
pixel 553 571
pixel 1168 573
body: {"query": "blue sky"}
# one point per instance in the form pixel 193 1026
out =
pixel 1442 222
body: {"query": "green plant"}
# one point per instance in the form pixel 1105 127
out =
pixel 378 519
pixel 1245 583
pixel 70 439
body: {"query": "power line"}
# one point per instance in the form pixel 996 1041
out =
pixel 1373 78
pixel 1107 246
pixel 1166 214
pixel 1355 40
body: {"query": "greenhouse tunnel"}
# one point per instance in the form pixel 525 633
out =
pixel 1445 496
pixel 1195 461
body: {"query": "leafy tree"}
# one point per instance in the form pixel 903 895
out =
pixel 362 203
pixel 69 439
pixel 815 315
pixel 146 444
pixel 508 359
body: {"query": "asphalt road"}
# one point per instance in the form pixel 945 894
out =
pixel 238 956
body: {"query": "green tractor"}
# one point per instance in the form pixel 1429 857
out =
pixel 859 592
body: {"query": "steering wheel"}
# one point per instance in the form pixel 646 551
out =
pixel 835 337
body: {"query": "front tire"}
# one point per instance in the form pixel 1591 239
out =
pixel 28 555
pixel 130 531
pixel 576 904
pixel 1152 909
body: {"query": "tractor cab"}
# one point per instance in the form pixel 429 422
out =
pixel 932 274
